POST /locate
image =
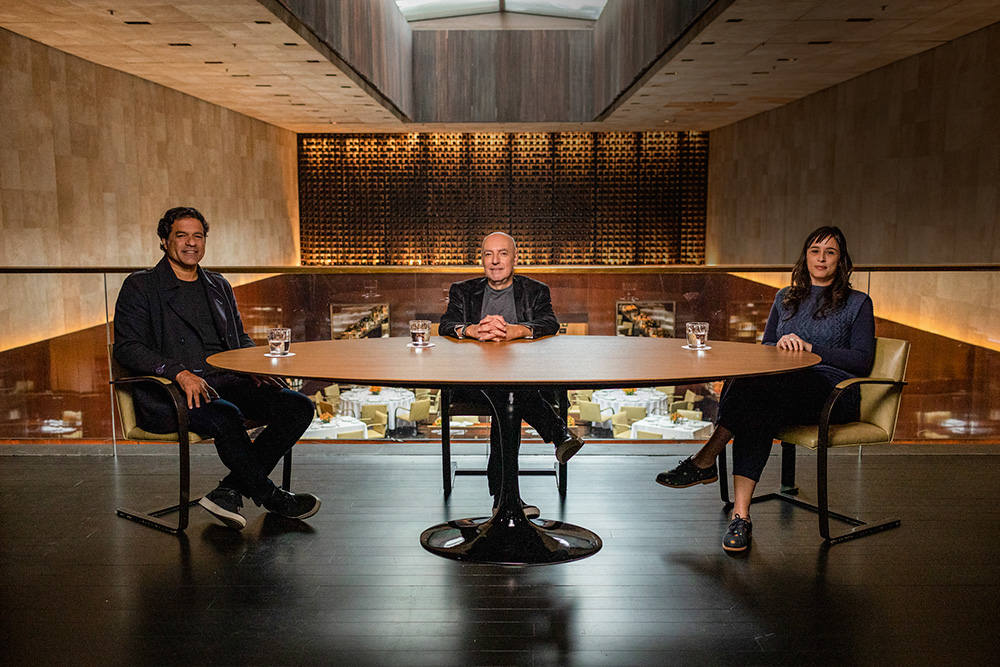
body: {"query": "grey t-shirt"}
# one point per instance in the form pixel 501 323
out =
pixel 499 302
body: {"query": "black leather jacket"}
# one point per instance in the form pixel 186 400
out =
pixel 532 303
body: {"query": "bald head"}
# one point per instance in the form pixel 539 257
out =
pixel 499 256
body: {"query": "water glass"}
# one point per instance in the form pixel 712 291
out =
pixel 278 340
pixel 420 332
pixel 697 334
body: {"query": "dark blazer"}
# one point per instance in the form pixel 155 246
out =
pixel 152 337
pixel 532 303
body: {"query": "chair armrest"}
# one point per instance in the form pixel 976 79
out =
pixel 396 411
pixel 837 392
pixel 179 401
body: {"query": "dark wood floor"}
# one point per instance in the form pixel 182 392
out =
pixel 79 586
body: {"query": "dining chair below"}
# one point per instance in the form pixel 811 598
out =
pixel 369 410
pixel 592 412
pixel 620 427
pixel 690 414
pixel 647 435
pixel 634 412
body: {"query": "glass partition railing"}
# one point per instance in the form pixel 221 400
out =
pixel 54 366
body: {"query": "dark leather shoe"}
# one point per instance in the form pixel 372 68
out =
pixel 737 538
pixel 568 447
pixel 688 474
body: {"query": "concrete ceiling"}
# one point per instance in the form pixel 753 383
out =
pixel 753 56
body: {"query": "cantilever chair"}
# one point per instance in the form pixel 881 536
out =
pixel 123 384
pixel 620 427
pixel 449 468
pixel 634 413
pixel 419 410
pixel 880 395
pixel 690 414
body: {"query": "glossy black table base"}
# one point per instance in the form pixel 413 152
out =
pixel 508 538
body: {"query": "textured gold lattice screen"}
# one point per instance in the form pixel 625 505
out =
pixel 568 198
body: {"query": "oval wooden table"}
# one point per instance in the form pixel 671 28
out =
pixel 558 362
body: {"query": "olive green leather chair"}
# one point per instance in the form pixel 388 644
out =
pixel 881 391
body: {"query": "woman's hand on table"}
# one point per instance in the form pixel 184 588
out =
pixel 793 342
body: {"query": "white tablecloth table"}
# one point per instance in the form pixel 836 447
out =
pixel 329 431
pixel 393 397
pixel 682 429
pixel 654 401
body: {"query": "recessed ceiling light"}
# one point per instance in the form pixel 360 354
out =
pixel 312 61
pixel 241 76
pixel 859 20
pixel 669 73
pixel 787 60
pixel 687 60
pixel 761 72
pixel 290 44
pixel 331 75
pixel 137 23
pixel 263 85
pixel 262 22
pixel 178 44
pixel 213 62
pixel 824 41
pixel 734 20
pixel 707 43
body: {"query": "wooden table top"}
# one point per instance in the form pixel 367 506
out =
pixel 557 361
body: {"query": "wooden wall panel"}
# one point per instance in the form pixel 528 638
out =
pixel 630 36
pixel 906 160
pixel 513 76
pixel 371 36
pixel 90 158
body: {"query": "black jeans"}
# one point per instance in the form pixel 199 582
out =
pixel 754 408
pixel 250 462
pixel 530 405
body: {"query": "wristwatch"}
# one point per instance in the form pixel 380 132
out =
pixel 460 330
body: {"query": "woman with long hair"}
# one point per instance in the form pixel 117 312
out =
pixel 818 313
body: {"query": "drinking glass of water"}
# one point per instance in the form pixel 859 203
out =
pixel 278 340
pixel 697 334
pixel 420 332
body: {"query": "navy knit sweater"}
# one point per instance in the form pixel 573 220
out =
pixel 844 339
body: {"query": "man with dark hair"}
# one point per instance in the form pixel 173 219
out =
pixel 168 321
pixel 497 307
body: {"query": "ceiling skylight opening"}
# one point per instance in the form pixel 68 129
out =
pixel 420 10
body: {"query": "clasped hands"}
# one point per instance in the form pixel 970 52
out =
pixel 495 327
pixel 197 390
pixel 793 342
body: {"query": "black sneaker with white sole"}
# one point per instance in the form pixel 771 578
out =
pixel 225 504
pixel 291 505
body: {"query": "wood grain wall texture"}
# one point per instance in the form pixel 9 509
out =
pixel 503 76
pixel 372 36
pixel 631 35
pixel 90 158
pixel 905 160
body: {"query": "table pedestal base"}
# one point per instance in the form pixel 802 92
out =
pixel 511 540
pixel 508 538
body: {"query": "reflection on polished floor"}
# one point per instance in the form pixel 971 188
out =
pixel 79 586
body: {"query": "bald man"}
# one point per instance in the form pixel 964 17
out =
pixel 503 306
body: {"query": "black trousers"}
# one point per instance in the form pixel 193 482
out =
pixel 250 462
pixel 530 405
pixel 755 408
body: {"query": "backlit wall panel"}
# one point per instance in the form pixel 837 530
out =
pixel 568 198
